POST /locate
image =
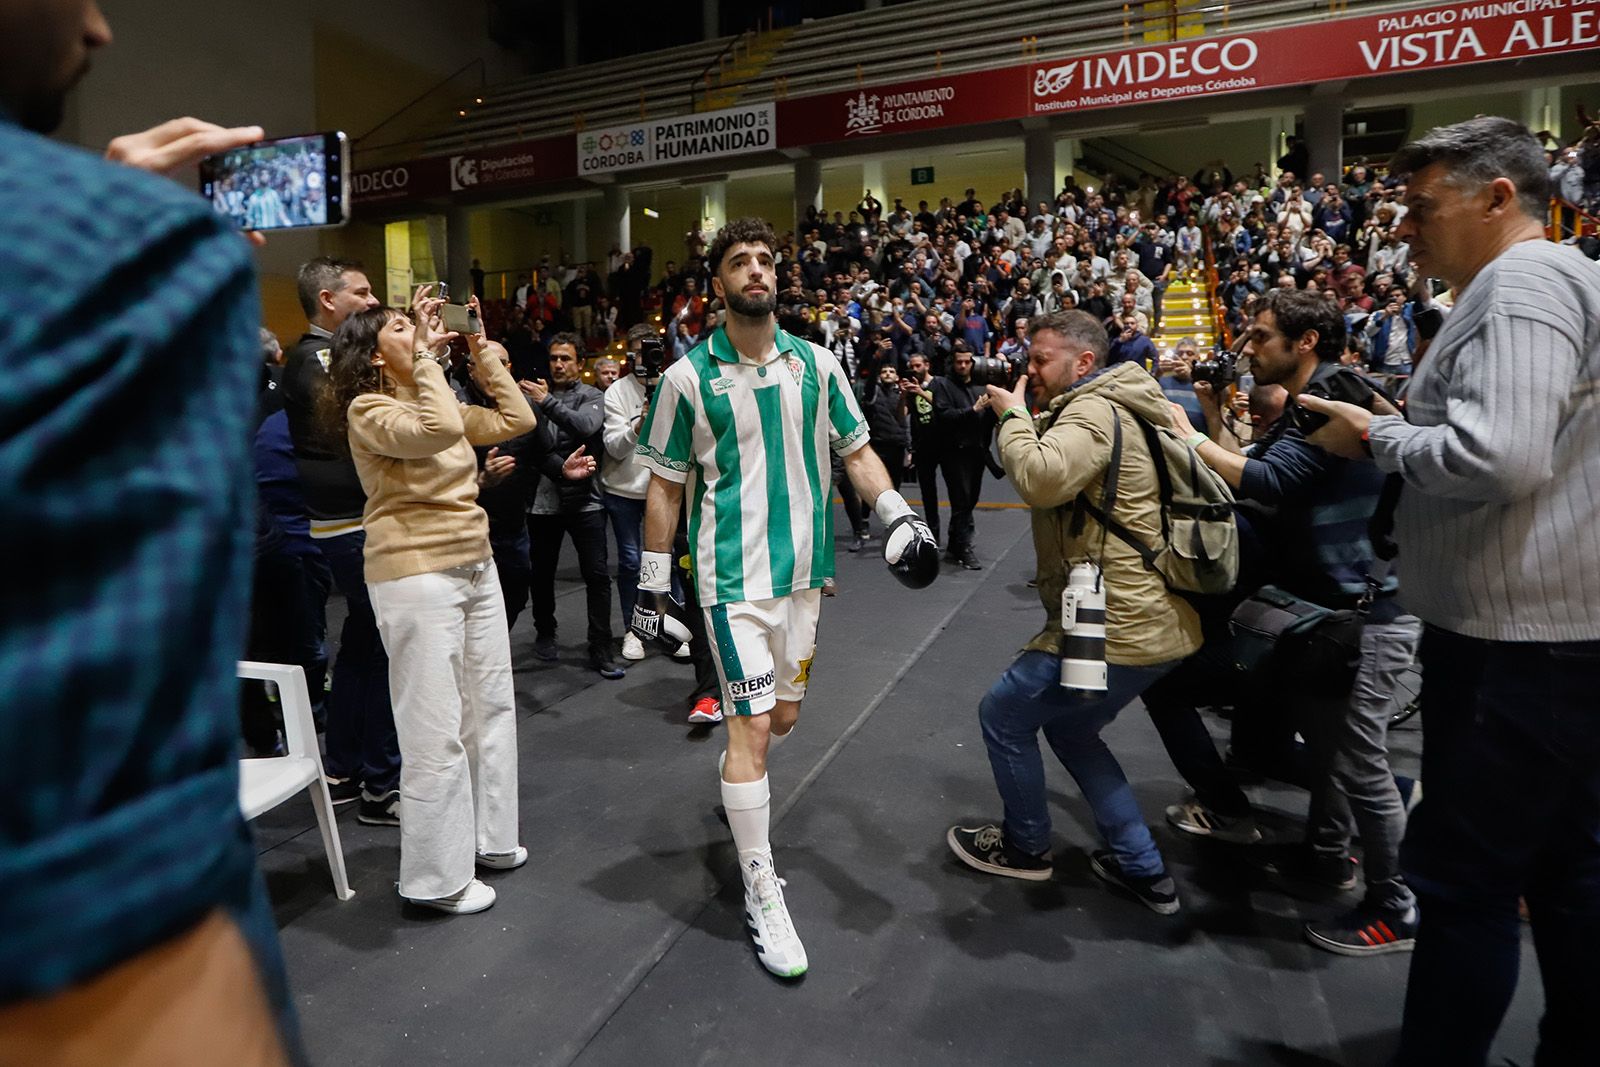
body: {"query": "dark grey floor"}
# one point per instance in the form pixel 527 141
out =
pixel 621 940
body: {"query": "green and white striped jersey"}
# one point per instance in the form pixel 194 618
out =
pixel 750 441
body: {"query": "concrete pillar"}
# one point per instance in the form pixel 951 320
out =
pixel 438 251
pixel 807 186
pixel 1324 125
pixel 1279 129
pixel 1541 109
pixel 1039 166
pixel 575 231
pixel 458 253
pixel 872 178
pixel 569 33
pixel 614 221
pixel 713 206
pixel 710 19
pixel 1066 160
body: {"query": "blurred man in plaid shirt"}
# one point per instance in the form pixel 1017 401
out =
pixel 135 922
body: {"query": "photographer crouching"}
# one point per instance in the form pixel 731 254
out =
pixel 1064 464
pixel 435 592
pixel 1315 520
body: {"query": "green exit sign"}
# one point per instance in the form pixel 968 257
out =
pixel 921 175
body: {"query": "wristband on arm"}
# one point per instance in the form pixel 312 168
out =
pixel 655 572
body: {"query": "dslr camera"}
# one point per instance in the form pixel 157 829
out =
pixel 651 359
pixel 990 370
pixel 1221 370
pixel 1344 384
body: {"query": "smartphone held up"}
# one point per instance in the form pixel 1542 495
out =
pixel 299 182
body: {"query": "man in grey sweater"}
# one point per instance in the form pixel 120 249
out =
pixel 1499 527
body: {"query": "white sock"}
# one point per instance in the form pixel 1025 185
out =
pixel 749 808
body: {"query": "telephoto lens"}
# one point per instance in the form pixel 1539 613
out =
pixel 1083 631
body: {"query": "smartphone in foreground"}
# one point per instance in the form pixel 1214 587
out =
pixel 299 182
pixel 460 318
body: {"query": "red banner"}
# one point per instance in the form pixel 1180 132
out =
pixel 930 103
pixel 1429 38
pixel 1335 50
pixel 468 175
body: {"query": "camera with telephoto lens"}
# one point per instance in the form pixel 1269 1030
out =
pixel 990 370
pixel 1083 631
pixel 1221 370
pixel 652 357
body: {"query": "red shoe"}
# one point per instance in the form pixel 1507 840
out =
pixel 706 709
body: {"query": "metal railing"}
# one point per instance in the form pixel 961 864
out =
pixel 1220 329
pixel 1567 219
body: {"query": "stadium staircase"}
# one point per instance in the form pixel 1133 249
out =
pixel 751 54
pixel 1186 312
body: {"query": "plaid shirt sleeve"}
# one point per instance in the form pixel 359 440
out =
pixel 127 325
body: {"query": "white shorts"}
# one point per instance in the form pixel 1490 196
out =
pixel 763 649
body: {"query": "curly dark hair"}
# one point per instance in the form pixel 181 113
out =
pixel 740 231
pixel 1297 312
pixel 351 373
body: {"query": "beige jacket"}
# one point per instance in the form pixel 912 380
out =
pixel 1145 623
pixel 413 452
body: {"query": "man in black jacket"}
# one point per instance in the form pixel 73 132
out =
pixel 916 403
pixel 886 421
pixel 571 416
pixel 965 424
pixel 363 754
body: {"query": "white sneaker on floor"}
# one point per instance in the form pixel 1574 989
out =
pixel 474 897
pixel 767 918
pixel 632 647
pixel 503 861
pixel 1193 817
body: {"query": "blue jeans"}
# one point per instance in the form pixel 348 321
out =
pixel 361 742
pixel 627 524
pixel 1511 758
pixel 1029 698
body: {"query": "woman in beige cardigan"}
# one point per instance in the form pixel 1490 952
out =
pixel 435 592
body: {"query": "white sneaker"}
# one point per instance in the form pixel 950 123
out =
pixel 503 861
pixel 1193 817
pixel 632 647
pixel 474 897
pixel 767 918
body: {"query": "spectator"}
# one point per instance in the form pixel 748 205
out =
pixel 606 370
pixel 441 613
pixel 1130 343
pixel 1177 382
pixel 362 756
pixel 963 424
pixel 571 417
pixel 1502 494
pixel 624 478
pixel 126 857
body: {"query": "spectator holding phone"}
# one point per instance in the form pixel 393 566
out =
pixel 127 862
pixel 435 592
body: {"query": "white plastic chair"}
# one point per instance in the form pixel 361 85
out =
pixel 266 783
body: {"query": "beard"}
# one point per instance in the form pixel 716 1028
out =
pixel 752 307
